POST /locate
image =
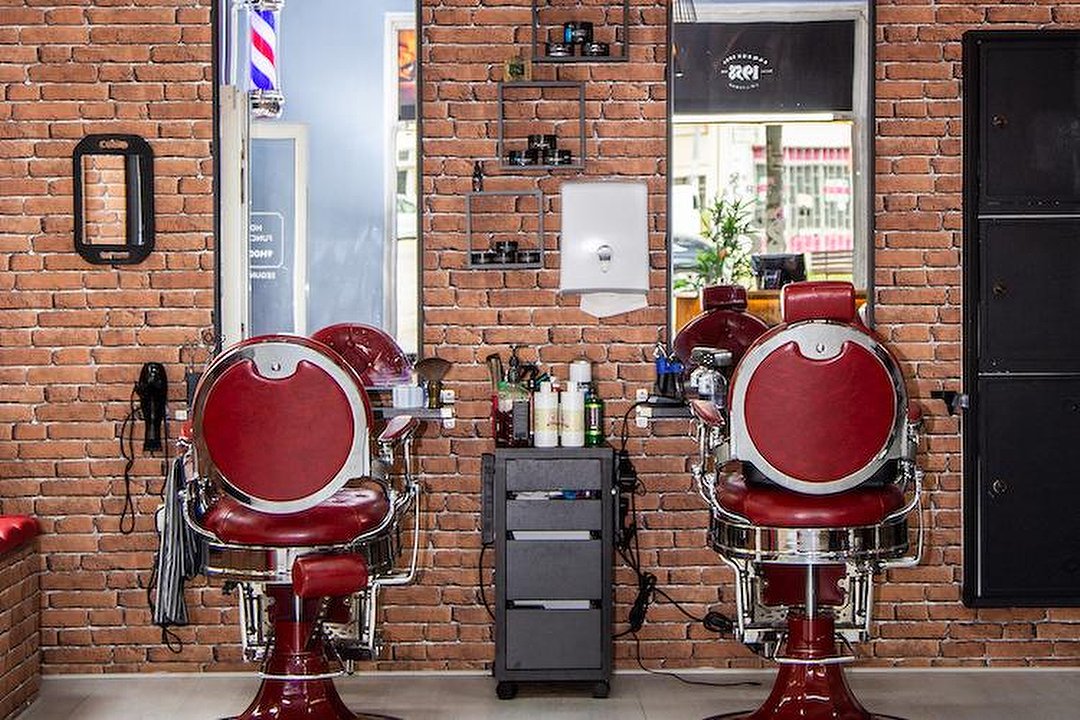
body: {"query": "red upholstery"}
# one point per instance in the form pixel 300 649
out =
pixel 318 576
pixel 820 420
pixel 15 530
pixel 818 301
pixel 723 325
pixel 277 439
pixel 772 506
pixel 371 352
pixel 347 514
pixel 723 297
pixel 786 584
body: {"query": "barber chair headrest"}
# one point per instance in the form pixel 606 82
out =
pixel 281 423
pixel 818 407
pixel 818 301
pixel 723 297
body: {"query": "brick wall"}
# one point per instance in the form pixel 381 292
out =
pixel 20 601
pixel 75 336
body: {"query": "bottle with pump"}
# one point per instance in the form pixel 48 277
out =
pixel 572 417
pixel 545 416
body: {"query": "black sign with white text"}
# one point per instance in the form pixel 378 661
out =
pixel 764 67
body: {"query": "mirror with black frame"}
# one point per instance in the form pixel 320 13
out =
pixel 770 148
pixel 113 199
pixel 316 110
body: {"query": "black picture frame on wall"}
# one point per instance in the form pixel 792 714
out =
pixel 137 160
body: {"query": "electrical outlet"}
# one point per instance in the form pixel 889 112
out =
pixel 641 395
pixel 180 414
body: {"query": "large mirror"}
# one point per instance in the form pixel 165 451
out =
pixel 770 147
pixel 318 166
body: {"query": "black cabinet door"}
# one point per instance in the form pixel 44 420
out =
pixel 1029 113
pixel 1028 489
pixel 1021 315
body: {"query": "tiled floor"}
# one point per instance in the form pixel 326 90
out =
pixel 915 695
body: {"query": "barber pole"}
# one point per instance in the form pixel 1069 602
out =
pixel 266 97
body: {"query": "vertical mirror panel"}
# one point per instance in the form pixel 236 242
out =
pixel 105 203
pixel 769 147
pixel 329 144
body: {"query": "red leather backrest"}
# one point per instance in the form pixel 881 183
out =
pixel 818 301
pixel 281 429
pixel 816 405
pixel 724 324
pixel 820 420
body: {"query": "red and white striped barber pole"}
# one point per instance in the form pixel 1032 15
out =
pixel 266 98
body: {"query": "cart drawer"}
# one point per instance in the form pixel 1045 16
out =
pixel 546 639
pixel 554 515
pixel 553 474
pixel 554 569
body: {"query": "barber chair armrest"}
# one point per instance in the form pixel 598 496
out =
pixel 912 506
pixel 706 412
pixel 398 429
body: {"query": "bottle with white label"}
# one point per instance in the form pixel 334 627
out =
pixel 572 418
pixel 545 416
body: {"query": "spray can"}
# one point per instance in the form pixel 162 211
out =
pixel 594 418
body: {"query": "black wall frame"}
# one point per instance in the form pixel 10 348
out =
pixel 1021 264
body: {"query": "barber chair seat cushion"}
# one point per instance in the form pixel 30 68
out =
pixel 341 518
pixel 773 506
pixel 16 530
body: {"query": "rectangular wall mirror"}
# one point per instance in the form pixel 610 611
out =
pixel 770 147
pixel 318 204
pixel 114 199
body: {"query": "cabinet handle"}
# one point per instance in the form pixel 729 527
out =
pixel 998 487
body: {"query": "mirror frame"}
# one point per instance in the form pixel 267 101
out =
pixel 866 139
pixel 218 7
pixel 139 206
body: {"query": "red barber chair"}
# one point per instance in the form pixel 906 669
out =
pixel 300 513
pixel 724 324
pixel 811 481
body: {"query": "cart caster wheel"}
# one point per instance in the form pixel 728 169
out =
pixel 506 690
pixel 601 689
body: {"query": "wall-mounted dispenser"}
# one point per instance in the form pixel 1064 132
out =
pixel 605 245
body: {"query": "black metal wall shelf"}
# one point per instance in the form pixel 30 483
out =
pixel 541 85
pixel 576 11
pixel 536 246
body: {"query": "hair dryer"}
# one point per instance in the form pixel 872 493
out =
pixel 152 389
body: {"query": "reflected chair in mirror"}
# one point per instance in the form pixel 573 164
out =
pixel 304 511
pixel 723 324
pixel 811 480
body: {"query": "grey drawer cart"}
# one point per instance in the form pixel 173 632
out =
pixel 553 515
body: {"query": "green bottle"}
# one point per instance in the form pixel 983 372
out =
pixel 594 418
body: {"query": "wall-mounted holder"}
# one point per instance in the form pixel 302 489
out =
pixel 542 127
pixel 114 199
pixel 489 247
pixel 553 42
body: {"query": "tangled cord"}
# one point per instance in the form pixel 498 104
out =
pixel 648 590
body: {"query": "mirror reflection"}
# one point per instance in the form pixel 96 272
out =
pixel 329 94
pixel 769 146
pixel 104 199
